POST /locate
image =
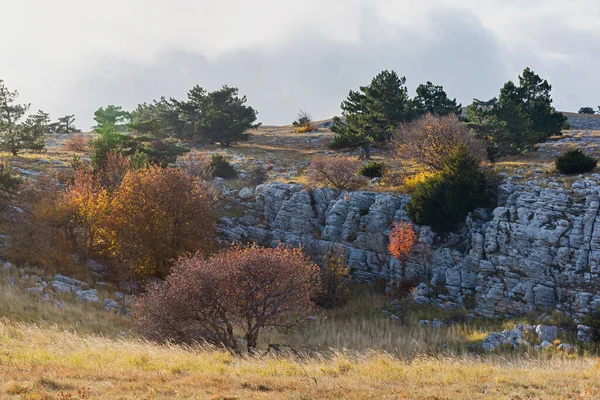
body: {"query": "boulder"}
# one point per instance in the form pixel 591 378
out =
pixel 545 344
pixel 110 305
pixel 88 296
pixel 546 332
pixel 586 334
pixel 246 193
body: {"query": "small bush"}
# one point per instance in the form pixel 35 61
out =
pixel 373 170
pixel 77 144
pixel 304 123
pixel 258 174
pixel 243 289
pixel 197 165
pixel 9 180
pixel 445 199
pixel 575 162
pixel 410 184
pixel 221 168
pixel 340 173
pixel 402 239
pixel 335 278
pixel 431 139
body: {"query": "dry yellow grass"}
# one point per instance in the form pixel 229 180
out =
pixel 42 363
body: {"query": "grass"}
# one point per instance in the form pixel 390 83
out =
pixel 46 363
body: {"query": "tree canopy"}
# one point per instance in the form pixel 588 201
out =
pixel 16 134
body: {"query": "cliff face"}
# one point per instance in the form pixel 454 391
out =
pixel 540 249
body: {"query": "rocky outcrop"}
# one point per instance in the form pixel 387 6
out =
pixel 540 249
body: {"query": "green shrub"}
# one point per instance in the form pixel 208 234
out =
pixel 575 162
pixel 221 167
pixel 444 200
pixel 373 170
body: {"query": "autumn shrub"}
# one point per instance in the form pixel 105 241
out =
pixel 137 220
pixel 77 144
pixel 575 162
pixel 245 289
pixel 336 172
pixel 156 215
pixel 257 174
pixel 197 165
pixel 402 239
pixel 335 278
pixel 303 123
pixel 411 182
pixel 431 139
pixel 372 169
pixel 221 168
pixel 444 200
pixel 40 231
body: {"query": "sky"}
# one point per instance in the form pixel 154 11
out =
pixel 73 56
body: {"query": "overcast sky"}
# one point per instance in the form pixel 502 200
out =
pixel 73 56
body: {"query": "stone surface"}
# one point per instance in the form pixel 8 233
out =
pixel 585 334
pixel 246 193
pixel 88 296
pixel 546 333
pixel 110 305
pixel 538 250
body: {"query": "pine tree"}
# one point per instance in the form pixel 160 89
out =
pixel 16 135
pixel 433 99
pixel 373 112
pixel 66 124
pixel 220 116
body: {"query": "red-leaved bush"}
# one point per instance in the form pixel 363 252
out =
pixel 340 173
pixel 242 288
pixel 402 240
pixel 77 144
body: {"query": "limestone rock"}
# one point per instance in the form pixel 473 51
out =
pixel 585 334
pixel 546 333
pixel 110 305
pixel 88 296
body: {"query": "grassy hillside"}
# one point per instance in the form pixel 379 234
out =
pixel 45 363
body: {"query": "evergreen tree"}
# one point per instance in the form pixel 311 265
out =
pixel 16 135
pixel 219 116
pixel 66 124
pixel 373 112
pixel 521 117
pixel 535 95
pixel 433 99
pixel 112 114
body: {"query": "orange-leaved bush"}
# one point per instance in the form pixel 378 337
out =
pixel 337 172
pixel 402 239
pixel 158 214
pixel 245 289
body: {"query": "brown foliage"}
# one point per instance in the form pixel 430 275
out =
pixel 431 139
pixel 402 239
pixel 41 233
pixel 140 220
pixel 77 143
pixel 335 278
pixel 197 165
pixel 246 288
pixel 156 215
pixel 340 173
